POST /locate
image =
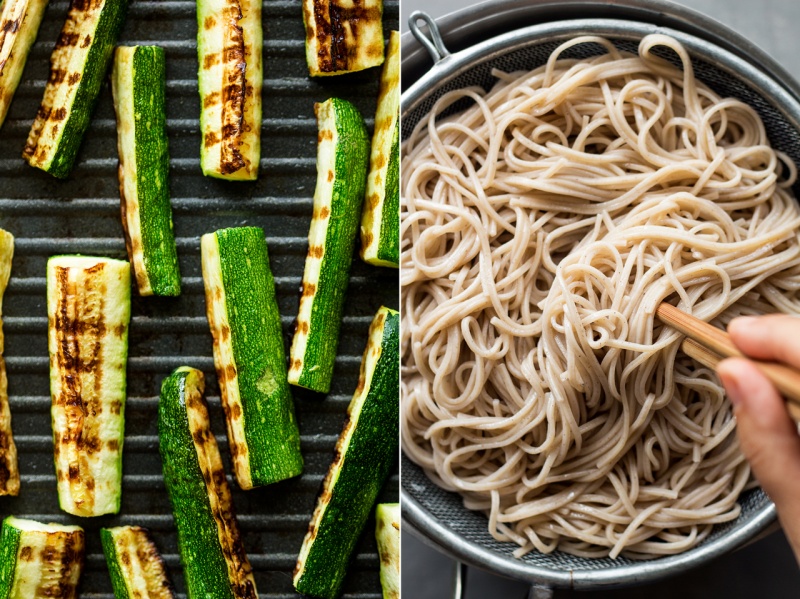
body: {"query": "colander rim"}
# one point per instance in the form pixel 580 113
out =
pixel 419 520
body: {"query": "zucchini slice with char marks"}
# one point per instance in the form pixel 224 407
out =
pixel 364 454
pixel 230 77
pixel 380 222
pixel 40 561
pixel 343 36
pixel 249 356
pixel 215 564
pixel 19 24
pixel 387 534
pixel 138 82
pixel 77 68
pixel 9 469
pixel 342 156
pixel 89 310
pixel 135 566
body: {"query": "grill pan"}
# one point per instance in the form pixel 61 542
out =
pixel 438 517
pixel 81 214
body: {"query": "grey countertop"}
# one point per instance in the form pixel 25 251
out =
pixel 765 568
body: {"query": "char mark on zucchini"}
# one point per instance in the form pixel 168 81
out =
pixel 88 314
pixel 19 25
pixel 343 37
pixel 9 468
pixel 78 66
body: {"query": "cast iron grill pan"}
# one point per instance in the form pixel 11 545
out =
pixel 81 214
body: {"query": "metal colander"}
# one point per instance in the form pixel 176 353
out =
pixel 439 516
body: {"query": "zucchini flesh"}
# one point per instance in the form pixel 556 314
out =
pixel 9 470
pixel 387 534
pixel 77 68
pixel 343 36
pixel 229 42
pixel 342 155
pixel 136 568
pixel 137 82
pixel 89 309
pixel 21 20
pixel 380 221
pixel 40 561
pixel 249 356
pixel 215 564
pixel 364 454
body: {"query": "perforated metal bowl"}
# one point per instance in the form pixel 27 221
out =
pixel 439 517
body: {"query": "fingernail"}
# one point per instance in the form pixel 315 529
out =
pixel 742 322
pixel 731 384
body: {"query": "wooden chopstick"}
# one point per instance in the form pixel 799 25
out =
pixel 709 345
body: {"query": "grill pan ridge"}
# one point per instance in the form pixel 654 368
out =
pixel 81 215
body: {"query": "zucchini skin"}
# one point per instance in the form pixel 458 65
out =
pixel 387 535
pixel 9 468
pixel 380 221
pixel 182 427
pixel 40 561
pixel 138 84
pixel 249 357
pixel 58 130
pixel 342 159
pixel 342 37
pixel 88 308
pixel 365 452
pixel 143 553
pixel 230 78
pixel 23 18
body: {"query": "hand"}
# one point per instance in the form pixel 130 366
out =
pixel 768 437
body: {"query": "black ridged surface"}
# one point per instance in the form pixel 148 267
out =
pixel 81 214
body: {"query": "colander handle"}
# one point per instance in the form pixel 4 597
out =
pixel 432 42
pixel 538 591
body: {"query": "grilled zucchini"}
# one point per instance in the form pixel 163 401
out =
pixel 249 356
pixel 40 561
pixel 215 565
pixel 387 534
pixel 136 568
pixel 21 20
pixel 77 69
pixel 137 82
pixel 88 309
pixel 342 156
pixel 9 470
pixel 380 221
pixel 364 454
pixel 343 36
pixel 229 41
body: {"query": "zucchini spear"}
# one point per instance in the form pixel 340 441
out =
pixel 9 470
pixel 88 309
pixel 136 568
pixel 21 20
pixel 229 41
pixel 138 82
pixel 364 453
pixel 249 356
pixel 215 565
pixel 40 561
pixel 343 36
pixel 387 534
pixel 78 66
pixel 342 155
pixel 380 221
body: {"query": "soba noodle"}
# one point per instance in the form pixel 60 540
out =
pixel 541 228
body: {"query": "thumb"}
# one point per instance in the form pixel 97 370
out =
pixel 768 438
